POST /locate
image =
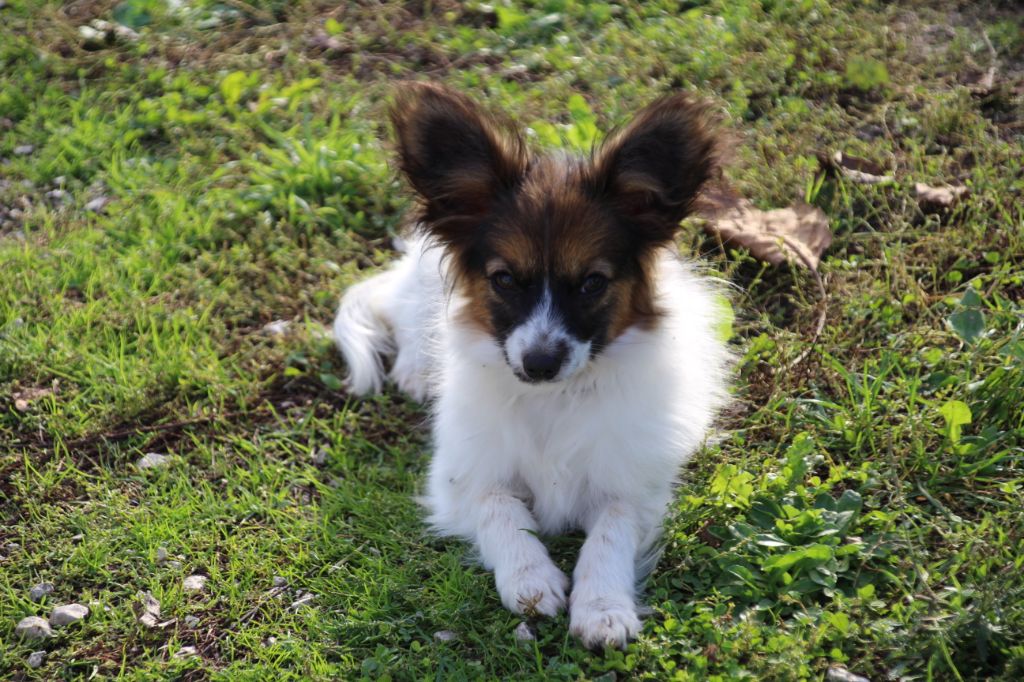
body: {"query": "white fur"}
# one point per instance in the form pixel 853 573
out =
pixel 599 450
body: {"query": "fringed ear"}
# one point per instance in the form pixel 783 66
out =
pixel 652 170
pixel 456 156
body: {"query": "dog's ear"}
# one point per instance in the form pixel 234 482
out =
pixel 652 170
pixel 456 156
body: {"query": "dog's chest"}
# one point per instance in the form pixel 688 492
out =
pixel 561 459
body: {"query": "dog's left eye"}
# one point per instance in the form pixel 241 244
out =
pixel 594 284
pixel 503 280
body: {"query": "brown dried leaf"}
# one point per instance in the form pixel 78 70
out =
pixel 935 199
pixel 26 396
pixel 798 233
pixel 855 169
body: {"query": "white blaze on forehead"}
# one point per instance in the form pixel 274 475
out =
pixel 544 331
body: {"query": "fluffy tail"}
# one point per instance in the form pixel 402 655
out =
pixel 363 334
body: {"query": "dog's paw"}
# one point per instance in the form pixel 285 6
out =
pixel 604 622
pixel 534 590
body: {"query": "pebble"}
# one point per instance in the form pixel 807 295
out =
pixel 70 613
pixel 276 328
pixel 78 538
pixel 445 636
pixel 524 633
pixel 191 621
pixel 36 658
pixel 161 556
pixel 839 674
pixel 24 149
pixel 186 652
pixel 96 205
pixel 91 37
pixel 194 583
pixel 320 457
pixel 58 196
pixel 152 460
pixel 280 581
pixel 303 600
pixel 33 628
pixel 40 591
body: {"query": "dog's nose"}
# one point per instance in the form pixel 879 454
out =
pixel 543 365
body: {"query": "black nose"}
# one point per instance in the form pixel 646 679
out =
pixel 543 365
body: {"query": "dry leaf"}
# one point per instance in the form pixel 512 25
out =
pixel 148 609
pixel 937 198
pixel 799 233
pixel 855 169
pixel 24 398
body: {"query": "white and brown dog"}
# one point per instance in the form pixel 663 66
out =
pixel 569 355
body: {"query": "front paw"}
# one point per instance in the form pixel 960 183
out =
pixel 534 590
pixel 601 622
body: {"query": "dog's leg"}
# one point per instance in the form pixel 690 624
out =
pixel 526 578
pixel 602 607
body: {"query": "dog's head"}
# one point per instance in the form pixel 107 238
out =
pixel 554 255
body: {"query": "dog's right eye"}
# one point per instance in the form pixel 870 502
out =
pixel 503 280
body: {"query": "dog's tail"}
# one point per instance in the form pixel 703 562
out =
pixel 363 333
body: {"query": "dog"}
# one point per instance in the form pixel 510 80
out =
pixel 569 355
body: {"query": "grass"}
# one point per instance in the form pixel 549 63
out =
pixel 863 507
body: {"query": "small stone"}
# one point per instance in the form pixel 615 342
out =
pixel 445 636
pixel 40 591
pixel 21 405
pixel 97 205
pixel 839 674
pixel 161 556
pixel 78 538
pixel 152 460
pixel 186 652
pixel 320 457
pixel 58 196
pixel 280 581
pixel 194 583
pixel 173 564
pixel 524 633
pixel 70 613
pixel 24 149
pixel 33 628
pixel 270 641
pixel 191 621
pixel 276 328
pixel 36 658
pixel 91 37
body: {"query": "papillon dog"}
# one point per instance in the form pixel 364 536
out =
pixel 569 355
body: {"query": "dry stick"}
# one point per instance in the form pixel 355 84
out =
pixel 822 302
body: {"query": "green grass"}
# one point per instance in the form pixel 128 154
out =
pixel 864 506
